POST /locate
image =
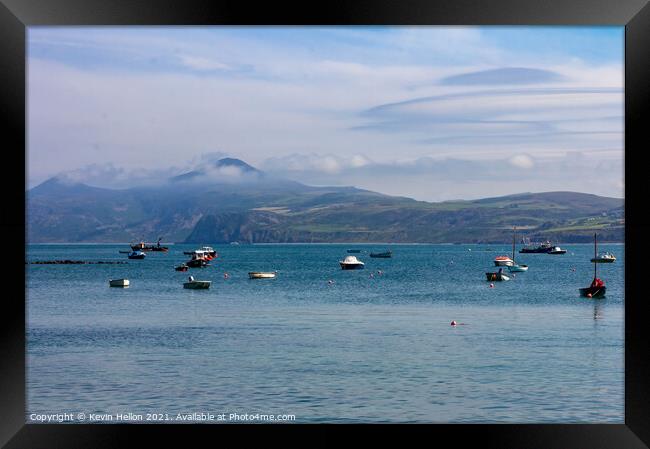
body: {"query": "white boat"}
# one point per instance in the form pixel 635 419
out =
pixel 205 252
pixel 118 282
pixel 351 263
pixel 503 261
pixel 262 274
pixel 604 258
pixel 515 267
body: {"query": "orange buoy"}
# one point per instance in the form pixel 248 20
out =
pixel 453 323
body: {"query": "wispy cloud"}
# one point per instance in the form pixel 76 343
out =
pixel 329 101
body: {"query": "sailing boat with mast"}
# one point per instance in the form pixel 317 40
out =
pixel 515 267
pixel 597 288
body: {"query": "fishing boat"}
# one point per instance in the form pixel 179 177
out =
pixel 182 267
pixel 196 284
pixel 118 282
pixel 542 248
pixel 205 252
pixel 604 258
pixel 503 261
pixel 354 251
pixel 497 276
pixel 142 246
pixel 351 263
pixel 597 288
pixel 136 255
pixel 385 254
pixel 557 250
pixel 515 267
pixel 262 274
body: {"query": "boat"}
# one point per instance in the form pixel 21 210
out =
pixel 196 284
pixel 351 263
pixel 205 252
pixel 604 258
pixel 515 267
pixel 385 254
pixel 503 261
pixel 597 288
pixel 354 251
pixel 497 276
pixel 142 246
pixel 136 255
pixel 556 250
pixel 262 274
pixel 197 263
pixel 182 267
pixel 542 248
pixel 118 282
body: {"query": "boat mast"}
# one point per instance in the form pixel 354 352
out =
pixel 595 256
pixel 513 243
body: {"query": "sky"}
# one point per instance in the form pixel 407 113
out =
pixel 428 112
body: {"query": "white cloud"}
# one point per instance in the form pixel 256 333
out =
pixel 522 161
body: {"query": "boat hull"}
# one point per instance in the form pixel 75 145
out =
pixel 351 266
pixel 596 292
pixel 503 263
pixel 603 260
pixel 118 282
pixel 197 263
pixel 517 268
pixel 563 251
pixel 197 285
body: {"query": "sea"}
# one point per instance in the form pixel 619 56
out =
pixel 318 344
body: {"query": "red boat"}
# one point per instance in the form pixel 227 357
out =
pixel 597 288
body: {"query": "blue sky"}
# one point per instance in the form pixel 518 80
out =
pixel 433 113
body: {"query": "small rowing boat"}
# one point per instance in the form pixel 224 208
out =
pixel 196 284
pixel 497 276
pixel 118 282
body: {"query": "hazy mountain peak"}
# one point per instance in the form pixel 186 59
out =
pixel 233 162
pixel 226 170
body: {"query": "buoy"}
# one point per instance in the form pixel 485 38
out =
pixel 589 295
pixel 491 285
pixel 453 323
pixel 330 281
pixel 226 275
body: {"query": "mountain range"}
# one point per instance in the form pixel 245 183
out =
pixel 231 201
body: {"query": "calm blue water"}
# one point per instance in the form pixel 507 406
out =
pixel 363 349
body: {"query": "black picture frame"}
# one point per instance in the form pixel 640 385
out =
pixel 16 15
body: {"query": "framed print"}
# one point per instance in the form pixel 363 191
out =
pixel 368 214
